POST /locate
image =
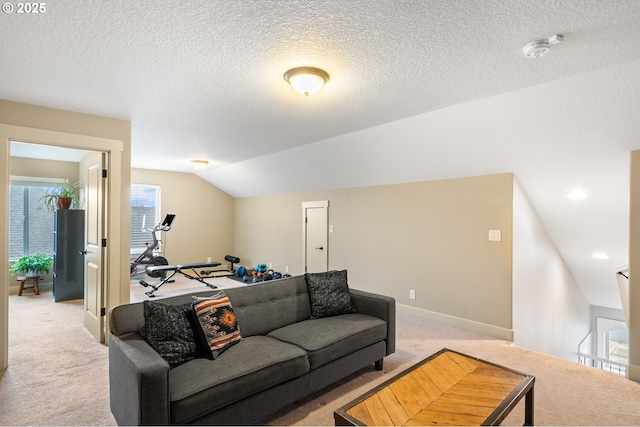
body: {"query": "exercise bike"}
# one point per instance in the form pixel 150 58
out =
pixel 148 257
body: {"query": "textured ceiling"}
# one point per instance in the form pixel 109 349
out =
pixel 418 91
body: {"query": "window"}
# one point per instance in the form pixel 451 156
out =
pixel 30 223
pixel 145 214
pixel 618 345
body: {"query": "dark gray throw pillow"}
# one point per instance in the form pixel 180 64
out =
pixel 170 331
pixel 329 294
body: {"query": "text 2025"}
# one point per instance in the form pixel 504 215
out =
pixel 31 7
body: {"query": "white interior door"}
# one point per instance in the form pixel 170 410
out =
pixel 95 251
pixel 315 236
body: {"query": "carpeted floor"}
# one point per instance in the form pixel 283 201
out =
pixel 58 374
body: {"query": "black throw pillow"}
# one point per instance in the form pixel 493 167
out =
pixel 329 294
pixel 170 331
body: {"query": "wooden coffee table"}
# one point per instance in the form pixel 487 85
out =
pixel 447 388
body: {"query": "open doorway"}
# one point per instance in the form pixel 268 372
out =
pixel 113 151
pixel 66 237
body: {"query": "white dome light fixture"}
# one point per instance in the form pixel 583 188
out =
pixel 306 80
pixel 539 48
pixel 199 164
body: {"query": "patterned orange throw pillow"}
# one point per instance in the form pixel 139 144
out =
pixel 218 322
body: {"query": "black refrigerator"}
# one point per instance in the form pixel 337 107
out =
pixel 68 258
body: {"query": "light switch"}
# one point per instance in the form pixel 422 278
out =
pixel 494 235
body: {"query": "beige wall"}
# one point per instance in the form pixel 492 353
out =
pixel 428 236
pixel 32 123
pixel 204 223
pixel 634 269
pixel 550 313
pixel 21 166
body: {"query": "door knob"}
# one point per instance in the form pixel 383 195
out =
pixel 82 252
pixel 321 248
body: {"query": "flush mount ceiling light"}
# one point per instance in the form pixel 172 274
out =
pixel 306 80
pixel 577 194
pixel 199 164
pixel 539 48
pixel 600 255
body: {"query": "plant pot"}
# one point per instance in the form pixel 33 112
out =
pixel 33 273
pixel 63 203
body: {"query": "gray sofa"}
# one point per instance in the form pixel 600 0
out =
pixel 282 357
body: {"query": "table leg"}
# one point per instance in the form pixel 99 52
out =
pixel 528 408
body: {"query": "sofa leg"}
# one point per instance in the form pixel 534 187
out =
pixel 379 364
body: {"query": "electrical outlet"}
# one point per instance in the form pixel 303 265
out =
pixel 412 294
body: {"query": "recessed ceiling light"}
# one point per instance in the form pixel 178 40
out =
pixel 600 255
pixel 577 194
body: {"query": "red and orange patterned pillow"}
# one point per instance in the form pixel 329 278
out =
pixel 217 321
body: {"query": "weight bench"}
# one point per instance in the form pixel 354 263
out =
pixel 175 269
pixel 221 273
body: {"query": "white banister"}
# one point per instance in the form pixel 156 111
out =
pixel 604 364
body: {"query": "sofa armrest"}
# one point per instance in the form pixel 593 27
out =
pixel 138 382
pixel 380 306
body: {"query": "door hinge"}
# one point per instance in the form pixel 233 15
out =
pixel 104 173
pixel 103 312
pixel 104 243
pixel 306 220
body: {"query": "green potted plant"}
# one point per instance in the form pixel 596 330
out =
pixel 64 197
pixel 32 265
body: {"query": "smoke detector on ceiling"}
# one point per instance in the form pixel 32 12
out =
pixel 540 48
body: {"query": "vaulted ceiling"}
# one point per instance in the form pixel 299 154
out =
pixel 418 91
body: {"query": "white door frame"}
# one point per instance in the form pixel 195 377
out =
pixel 312 205
pixel 114 149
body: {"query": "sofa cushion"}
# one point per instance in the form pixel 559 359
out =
pixel 254 364
pixel 329 293
pixel 266 306
pixel 218 324
pixel 330 338
pixel 170 331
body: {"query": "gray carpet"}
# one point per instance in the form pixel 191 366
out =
pixel 58 374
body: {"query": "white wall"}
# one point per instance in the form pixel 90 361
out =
pixel 550 312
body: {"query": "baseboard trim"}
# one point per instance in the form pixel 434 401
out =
pixel 633 373
pixel 458 322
